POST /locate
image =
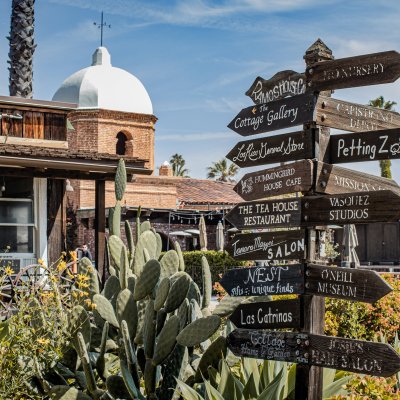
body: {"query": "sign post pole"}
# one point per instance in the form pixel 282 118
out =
pixel 309 382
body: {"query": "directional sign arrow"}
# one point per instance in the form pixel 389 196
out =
pixel 320 280
pixel 282 84
pixel 284 113
pixel 344 208
pixel 281 245
pixel 332 179
pixel 369 358
pixel 354 117
pixel 278 148
pixel 268 315
pixel 365 70
pixel 289 178
pixel 365 146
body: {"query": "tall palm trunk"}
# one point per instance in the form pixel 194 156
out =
pixel 22 47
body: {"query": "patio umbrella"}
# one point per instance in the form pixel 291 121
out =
pixel 220 237
pixel 350 242
pixel 203 234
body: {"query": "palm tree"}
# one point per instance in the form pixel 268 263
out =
pixel 221 171
pixel 178 166
pixel 380 102
pixel 22 47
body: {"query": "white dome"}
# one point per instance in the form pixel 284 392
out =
pixel 104 86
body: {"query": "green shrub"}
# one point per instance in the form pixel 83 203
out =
pixel 365 321
pixel 219 263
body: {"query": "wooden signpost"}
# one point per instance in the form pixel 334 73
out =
pixel 354 117
pixel 313 279
pixel 346 197
pixel 331 179
pixel 279 148
pixel 281 245
pixel 281 85
pixel 289 178
pixel 365 146
pixel 344 208
pixel 365 70
pixel 279 114
pixel 369 358
pixel 268 315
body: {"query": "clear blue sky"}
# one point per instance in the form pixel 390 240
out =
pixel 196 58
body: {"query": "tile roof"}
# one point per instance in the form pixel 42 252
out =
pixel 205 191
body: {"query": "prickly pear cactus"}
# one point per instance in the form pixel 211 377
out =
pixel 120 180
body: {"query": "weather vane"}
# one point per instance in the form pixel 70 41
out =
pixel 101 27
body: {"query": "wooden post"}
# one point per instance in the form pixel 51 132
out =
pixel 100 229
pixel 309 379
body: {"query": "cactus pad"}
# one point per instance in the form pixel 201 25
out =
pixel 149 329
pixel 116 220
pixel 79 321
pixel 105 309
pixel 227 305
pixel 181 266
pixel 145 226
pixel 111 289
pixel 169 263
pixel 126 310
pixel 115 244
pixel 85 267
pixel 207 282
pixel 147 240
pixel 141 307
pixel 166 340
pixel 147 280
pixel 162 293
pixel 120 180
pixel 199 331
pixel 194 292
pixel 177 293
pixel 183 313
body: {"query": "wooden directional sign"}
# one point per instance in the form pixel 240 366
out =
pixel 354 117
pixel 266 214
pixel 351 208
pixel 369 358
pixel 365 146
pixel 279 114
pixel 332 179
pixel 269 345
pixel 289 178
pixel 281 85
pixel 278 148
pixel 320 280
pixel 365 70
pixel 268 315
pixel 345 283
pixel 281 245
pixel 344 208
pixel 261 281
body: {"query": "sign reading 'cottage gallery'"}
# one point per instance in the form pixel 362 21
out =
pixel 266 117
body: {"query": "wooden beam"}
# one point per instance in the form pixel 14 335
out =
pixel 100 230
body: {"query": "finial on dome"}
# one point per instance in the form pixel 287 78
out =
pixel 101 57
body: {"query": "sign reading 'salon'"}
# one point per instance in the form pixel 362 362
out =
pixel 369 358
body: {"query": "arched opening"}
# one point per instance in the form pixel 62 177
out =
pixel 120 147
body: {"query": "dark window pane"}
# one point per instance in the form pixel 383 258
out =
pixel 16 212
pixel 19 239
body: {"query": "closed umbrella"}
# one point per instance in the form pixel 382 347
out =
pixel 220 237
pixel 203 234
pixel 350 242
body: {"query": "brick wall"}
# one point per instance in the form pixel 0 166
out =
pixel 96 130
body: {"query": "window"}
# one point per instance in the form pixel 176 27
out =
pixel 121 144
pixel 16 216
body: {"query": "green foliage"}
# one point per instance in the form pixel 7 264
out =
pixel 222 171
pixel 178 166
pixel 365 321
pixel 385 166
pixel 219 263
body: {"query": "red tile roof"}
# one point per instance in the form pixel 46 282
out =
pixel 205 191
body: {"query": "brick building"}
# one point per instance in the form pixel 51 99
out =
pixel 114 115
